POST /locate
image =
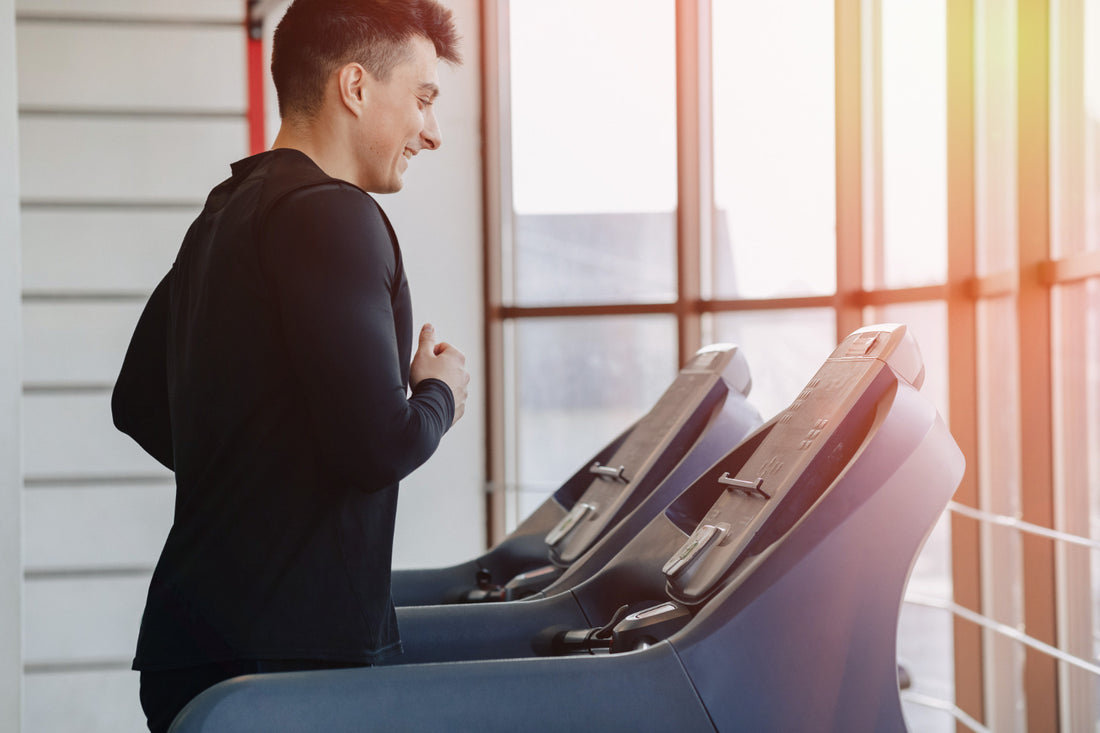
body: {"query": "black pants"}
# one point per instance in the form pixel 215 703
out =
pixel 165 692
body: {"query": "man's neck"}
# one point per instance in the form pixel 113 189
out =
pixel 321 143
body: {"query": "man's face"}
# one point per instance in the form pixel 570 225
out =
pixel 400 121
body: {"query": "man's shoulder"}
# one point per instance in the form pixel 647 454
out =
pixel 290 175
pixel 294 193
pixel 291 180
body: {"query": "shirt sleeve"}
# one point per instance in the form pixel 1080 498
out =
pixel 331 263
pixel 139 402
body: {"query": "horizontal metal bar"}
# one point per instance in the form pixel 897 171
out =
pixel 998 284
pixel 119 19
pixel 890 296
pixel 1059 271
pixel 65 388
pixel 754 304
pixel 994 285
pixel 697 307
pixel 1071 268
pixel 136 571
pixel 113 204
pixel 41 483
pixel 94 665
pixel 1005 630
pixel 948 707
pixel 116 296
pixel 863 298
pixel 138 113
pixel 557 311
pixel 1002 520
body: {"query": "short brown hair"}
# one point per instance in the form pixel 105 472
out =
pixel 316 37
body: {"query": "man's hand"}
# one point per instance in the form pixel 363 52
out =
pixel 440 361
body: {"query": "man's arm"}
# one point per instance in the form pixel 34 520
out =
pixel 330 260
pixel 139 403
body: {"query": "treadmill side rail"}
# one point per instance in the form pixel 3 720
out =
pixel 645 692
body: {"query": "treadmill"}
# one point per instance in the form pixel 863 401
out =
pixel 702 414
pixel 764 597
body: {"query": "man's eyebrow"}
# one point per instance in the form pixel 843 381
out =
pixel 430 88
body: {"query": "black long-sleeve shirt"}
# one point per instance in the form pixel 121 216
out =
pixel 270 371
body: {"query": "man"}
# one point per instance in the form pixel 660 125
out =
pixel 270 369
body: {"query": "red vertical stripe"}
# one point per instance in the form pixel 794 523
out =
pixel 257 142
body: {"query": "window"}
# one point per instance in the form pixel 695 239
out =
pixel 935 163
pixel 774 152
pixel 593 152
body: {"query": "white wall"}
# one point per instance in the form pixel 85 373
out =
pixel 438 218
pixel 11 479
pixel 130 111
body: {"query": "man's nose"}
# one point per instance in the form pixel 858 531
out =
pixel 430 135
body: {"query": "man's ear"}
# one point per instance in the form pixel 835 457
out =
pixel 352 87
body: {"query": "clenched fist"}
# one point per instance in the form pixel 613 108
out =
pixel 443 362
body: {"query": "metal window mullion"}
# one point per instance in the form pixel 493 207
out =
pixel 1034 343
pixel 497 243
pixel 695 190
pixel 962 345
pixel 998 388
pixel 849 77
pixel 1072 443
pixel 873 262
pixel 1077 695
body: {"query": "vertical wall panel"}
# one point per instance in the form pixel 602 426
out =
pixel 94 160
pixel 89 701
pixel 76 343
pixel 70 436
pixel 83 620
pixel 178 64
pixel 102 527
pixel 100 251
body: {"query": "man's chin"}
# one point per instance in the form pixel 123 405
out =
pixel 388 187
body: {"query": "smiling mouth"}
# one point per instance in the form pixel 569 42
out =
pixel 408 154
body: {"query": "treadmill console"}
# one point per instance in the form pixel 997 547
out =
pixel 807 447
pixel 673 424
